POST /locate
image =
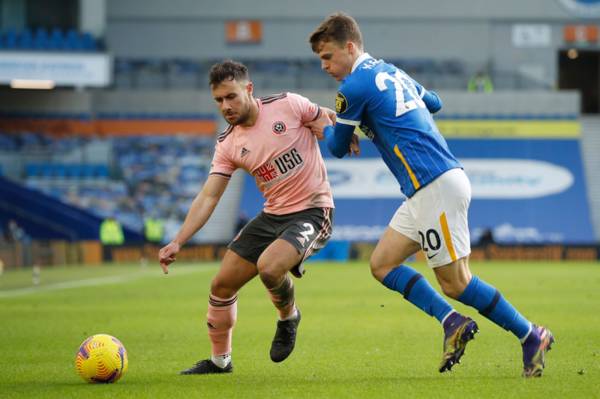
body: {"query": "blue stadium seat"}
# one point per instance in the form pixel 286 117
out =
pixel 57 39
pixel 101 171
pixel 87 171
pixel 72 40
pixel 46 170
pixel 59 171
pixel 25 40
pixel 10 39
pixel 41 41
pixel 73 171
pixel 33 170
pixel 88 43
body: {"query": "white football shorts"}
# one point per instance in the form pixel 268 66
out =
pixel 436 218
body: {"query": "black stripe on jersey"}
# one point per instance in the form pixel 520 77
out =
pixel 317 115
pixel 274 97
pixel 221 136
pixel 221 174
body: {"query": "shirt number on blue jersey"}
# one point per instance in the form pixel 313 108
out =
pixel 407 98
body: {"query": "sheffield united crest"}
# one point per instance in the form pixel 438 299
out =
pixel 279 127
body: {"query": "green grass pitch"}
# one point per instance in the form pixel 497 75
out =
pixel 357 339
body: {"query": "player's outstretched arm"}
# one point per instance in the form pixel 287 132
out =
pixel 202 208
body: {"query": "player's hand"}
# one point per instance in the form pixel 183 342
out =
pixel 167 255
pixel 318 125
pixel 330 113
pixel 354 146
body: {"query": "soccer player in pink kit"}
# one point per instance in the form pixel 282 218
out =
pixel 266 138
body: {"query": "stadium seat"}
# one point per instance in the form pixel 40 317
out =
pixel 41 41
pixel 25 40
pixel 57 39
pixel 101 171
pixel 10 39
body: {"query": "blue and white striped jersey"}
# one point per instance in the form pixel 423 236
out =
pixel 394 111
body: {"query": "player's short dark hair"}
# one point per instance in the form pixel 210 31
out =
pixel 339 28
pixel 227 70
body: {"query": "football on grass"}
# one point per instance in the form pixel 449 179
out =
pixel 101 359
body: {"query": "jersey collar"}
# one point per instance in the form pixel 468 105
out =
pixel 360 60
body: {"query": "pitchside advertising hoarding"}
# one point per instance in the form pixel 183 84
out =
pixel 79 70
pixel 527 181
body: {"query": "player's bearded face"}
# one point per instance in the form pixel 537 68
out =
pixel 336 59
pixel 234 100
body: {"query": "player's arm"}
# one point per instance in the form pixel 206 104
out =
pixel 202 208
pixel 338 138
pixel 330 113
pixel 432 100
pixel 342 145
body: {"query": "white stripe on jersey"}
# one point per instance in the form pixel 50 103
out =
pixel 347 121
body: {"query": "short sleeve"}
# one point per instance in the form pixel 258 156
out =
pixel 349 105
pixel 221 165
pixel 305 109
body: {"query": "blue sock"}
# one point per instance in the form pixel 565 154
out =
pixel 491 304
pixel 417 291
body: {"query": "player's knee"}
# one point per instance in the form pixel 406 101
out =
pixel 378 269
pixel 452 289
pixel 271 272
pixel 221 289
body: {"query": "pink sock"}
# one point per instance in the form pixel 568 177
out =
pixel 221 316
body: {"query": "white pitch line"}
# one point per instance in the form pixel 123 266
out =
pixel 91 282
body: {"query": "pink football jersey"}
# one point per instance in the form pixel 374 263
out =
pixel 281 154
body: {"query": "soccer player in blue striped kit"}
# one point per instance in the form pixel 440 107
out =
pixel 394 111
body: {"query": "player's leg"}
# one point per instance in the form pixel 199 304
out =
pixel 394 247
pixel 300 236
pixel 457 282
pixel 233 274
pixel 429 208
pixel 452 271
pixel 273 266
pixel 237 268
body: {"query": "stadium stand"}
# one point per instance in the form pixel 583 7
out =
pixel 297 74
pixel 56 39
pixel 158 175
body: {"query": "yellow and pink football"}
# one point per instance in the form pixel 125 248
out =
pixel 101 359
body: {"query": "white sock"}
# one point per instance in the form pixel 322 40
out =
pixel 293 315
pixel 445 317
pixel 221 360
pixel 526 335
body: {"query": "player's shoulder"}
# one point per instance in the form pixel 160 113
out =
pixel 355 87
pixel 225 133
pixel 273 98
pixel 280 104
pixel 362 79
